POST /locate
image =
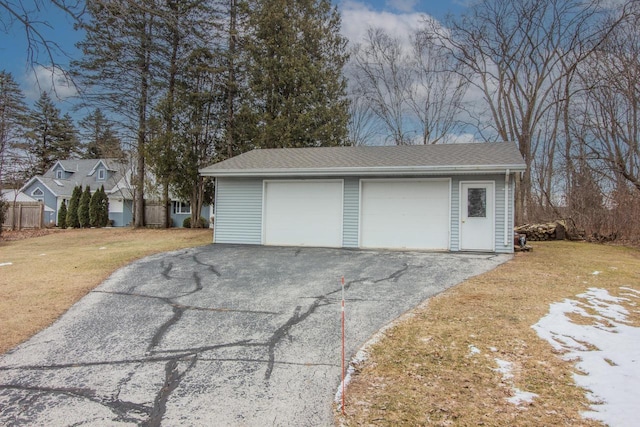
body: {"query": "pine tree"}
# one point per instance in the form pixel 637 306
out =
pixel 100 137
pixel 296 59
pixel 118 53
pixel 94 209
pixel 83 208
pixel 12 120
pixel 72 209
pixel 51 137
pixel 103 208
pixel 62 215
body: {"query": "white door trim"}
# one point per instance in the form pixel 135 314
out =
pixel 264 199
pixel 491 202
pixel 360 211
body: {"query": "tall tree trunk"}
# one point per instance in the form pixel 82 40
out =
pixel 144 58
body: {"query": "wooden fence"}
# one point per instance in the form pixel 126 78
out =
pixel 153 214
pixel 21 215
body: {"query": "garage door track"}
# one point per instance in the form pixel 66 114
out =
pixel 219 335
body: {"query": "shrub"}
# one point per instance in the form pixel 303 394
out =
pixel 103 208
pixel 3 211
pixel 94 210
pixel 62 215
pixel 202 223
pixel 83 208
pixel 72 209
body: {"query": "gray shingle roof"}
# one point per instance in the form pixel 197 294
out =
pixel 83 174
pixel 479 157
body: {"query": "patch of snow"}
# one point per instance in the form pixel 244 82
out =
pixel 102 248
pixel 521 397
pixel 595 273
pixel 607 353
pixel 505 369
pixel 5 264
pixel 473 350
pixel 493 349
pixel 43 254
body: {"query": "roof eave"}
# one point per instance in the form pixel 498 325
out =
pixel 377 171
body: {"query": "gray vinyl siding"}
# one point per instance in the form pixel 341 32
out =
pixel 499 213
pixel 351 212
pixel 238 217
pixel 454 230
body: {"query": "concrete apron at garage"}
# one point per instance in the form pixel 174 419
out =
pixel 219 335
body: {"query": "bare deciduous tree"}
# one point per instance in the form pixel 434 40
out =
pixel 515 53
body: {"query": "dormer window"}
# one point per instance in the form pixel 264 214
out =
pixel 59 174
pixel 102 174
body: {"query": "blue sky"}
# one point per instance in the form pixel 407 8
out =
pixel 397 16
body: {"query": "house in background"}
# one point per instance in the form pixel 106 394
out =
pixel 115 175
pixel 453 197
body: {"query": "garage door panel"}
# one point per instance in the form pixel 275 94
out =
pixel 405 214
pixel 303 213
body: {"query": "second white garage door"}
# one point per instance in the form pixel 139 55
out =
pixel 412 214
pixel 303 213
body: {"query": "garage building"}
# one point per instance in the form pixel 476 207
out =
pixel 450 197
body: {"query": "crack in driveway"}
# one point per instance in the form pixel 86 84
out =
pixel 214 350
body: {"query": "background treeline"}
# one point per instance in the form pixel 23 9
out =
pixel 561 78
pixel 194 82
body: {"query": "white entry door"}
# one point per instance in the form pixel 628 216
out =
pixel 477 216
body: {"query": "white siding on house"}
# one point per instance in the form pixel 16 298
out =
pixel 351 213
pixel 238 217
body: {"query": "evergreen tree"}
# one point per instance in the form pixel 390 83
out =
pixel 94 209
pixel 100 137
pixel 83 208
pixel 62 215
pixel 72 209
pixel 296 59
pixel 12 119
pixel 103 208
pixel 51 137
pixel 118 55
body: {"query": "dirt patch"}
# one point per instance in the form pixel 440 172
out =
pixel 13 235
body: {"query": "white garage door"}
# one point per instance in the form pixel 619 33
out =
pixel 411 214
pixel 303 213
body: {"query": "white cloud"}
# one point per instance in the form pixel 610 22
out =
pixel 52 80
pixel 402 5
pixel 357 18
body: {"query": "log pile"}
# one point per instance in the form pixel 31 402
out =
pixel 538 232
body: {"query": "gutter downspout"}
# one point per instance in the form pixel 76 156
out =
pixel 506 209
pixel 215 208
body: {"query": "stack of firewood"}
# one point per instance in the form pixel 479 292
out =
pixel 549 231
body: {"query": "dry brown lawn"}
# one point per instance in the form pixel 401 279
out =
pixel 43 276
pixel 423 373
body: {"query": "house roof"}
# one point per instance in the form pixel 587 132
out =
pixel 82 173
pixel 20 197
pixel 496 157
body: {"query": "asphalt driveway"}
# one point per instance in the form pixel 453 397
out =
pixel 220 335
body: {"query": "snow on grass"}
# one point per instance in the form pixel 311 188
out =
pixel 519 396
pixel 5 264
pixel 607 352
pixel 473 350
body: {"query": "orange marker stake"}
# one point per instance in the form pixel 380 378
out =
pixel 343 385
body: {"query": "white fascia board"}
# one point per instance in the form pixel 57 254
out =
pixel 37 178
pixel 408 170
